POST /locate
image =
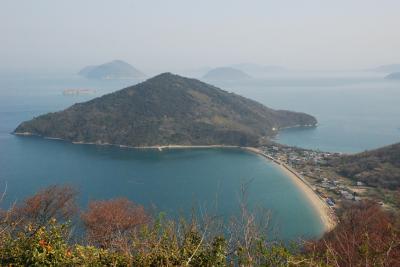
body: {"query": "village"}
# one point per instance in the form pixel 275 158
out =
pixel 313 168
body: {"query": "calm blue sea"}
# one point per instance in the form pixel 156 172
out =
pixel 355 113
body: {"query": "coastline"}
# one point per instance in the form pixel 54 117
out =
pixel 158 147
pixel 325 213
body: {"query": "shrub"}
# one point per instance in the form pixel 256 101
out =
pixel 365 236
pixel 53 202
pixel 110 223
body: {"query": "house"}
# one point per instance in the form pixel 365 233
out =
pixel 346 194
pixel 360 183
pixel 330 202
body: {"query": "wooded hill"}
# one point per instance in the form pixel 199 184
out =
pixel 166 109
pixel 380 167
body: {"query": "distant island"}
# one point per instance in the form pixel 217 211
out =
pixel 164 110
pixel 259 70
pixel 116 69
pixel 387 68
pixel 226 74
pixel 393 76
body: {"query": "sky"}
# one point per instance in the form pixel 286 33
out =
pixel 168 35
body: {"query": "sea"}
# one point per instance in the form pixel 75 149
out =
pixel 356 112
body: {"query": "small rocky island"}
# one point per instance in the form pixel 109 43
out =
pixel 114 70
pixel 166 110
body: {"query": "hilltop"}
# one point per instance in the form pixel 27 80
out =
pixel 378 168
pixel 166 109
pixel 116 69
pixel 393 76
pixel 226 74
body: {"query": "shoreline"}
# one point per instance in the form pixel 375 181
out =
pixel 325 213
pixel 158 147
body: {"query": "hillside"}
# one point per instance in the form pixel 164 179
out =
pixel 393 76
pixel 226 74
pixel 166 109
pixel 116 69
pixel 380 167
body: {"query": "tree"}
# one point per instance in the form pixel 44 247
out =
pixel 110 223
pixel 54 202
pixel 365 236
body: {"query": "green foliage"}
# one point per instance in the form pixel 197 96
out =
pixel 93 256
pixel 166 243
pixel 379 168
pixel 43 246
pixel 48 246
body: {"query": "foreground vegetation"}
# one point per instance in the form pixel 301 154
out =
pixel 39 231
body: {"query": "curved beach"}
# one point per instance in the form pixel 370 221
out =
pixel 325 213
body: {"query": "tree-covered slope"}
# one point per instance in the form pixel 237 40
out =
pixel 166 109
pixel 380 167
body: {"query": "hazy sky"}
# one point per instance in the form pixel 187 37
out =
pixel 178 34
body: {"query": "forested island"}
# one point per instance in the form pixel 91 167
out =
pixel 166 110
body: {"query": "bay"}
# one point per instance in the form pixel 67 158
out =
pixel 172 181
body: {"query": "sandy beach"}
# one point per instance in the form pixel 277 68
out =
pixel 325 212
